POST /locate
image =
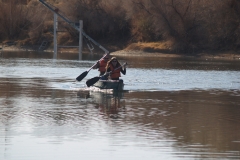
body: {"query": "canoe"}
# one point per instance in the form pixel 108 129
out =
pixel 110 84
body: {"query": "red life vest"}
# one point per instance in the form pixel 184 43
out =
pixel 102 65
pixel 115 73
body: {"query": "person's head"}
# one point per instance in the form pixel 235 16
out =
pixel 106 58
pixel 113 61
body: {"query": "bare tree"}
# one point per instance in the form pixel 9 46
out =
pixel 191 24
pixel 12 19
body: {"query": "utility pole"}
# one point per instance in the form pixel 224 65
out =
pixel 55 27
pixel 80 38
pixel 57 12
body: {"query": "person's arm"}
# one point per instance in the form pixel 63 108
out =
pixel 123 71
pixel 106 74
pixel 108 70
pixel 97 65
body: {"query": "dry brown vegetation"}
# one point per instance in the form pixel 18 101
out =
pixel 188 25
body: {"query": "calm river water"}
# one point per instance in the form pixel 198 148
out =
pixel 171 108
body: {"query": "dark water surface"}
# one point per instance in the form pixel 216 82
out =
pixel 171 108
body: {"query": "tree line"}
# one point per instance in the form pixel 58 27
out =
pixel 189 24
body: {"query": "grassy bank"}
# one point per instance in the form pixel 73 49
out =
pixel 166 49
pixel 159 49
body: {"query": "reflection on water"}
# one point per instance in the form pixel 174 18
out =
pixel 45 114
pixel 43 55
pixel 182 63
pixel 109 104
pixel 197 124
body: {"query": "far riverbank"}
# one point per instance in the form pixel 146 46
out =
pixel 217 55
pixel 140 49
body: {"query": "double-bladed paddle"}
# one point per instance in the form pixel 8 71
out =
pixel 84 74
pixel 93 80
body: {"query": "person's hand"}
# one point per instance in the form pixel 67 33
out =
pixel 106 74
pixel 124 65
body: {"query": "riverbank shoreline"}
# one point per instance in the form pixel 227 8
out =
pixel 219 55
pixel 137 52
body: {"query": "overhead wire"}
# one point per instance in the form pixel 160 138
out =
pixel 39 23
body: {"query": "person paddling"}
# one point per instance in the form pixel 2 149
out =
pixel 112 64
pixel 101 65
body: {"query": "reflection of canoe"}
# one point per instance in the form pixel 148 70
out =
pixel 109 84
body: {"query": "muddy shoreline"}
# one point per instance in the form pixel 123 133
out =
pixel 126 52
pixel 222 55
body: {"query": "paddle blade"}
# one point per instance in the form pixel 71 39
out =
pixel 92 81
pixel 81 76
